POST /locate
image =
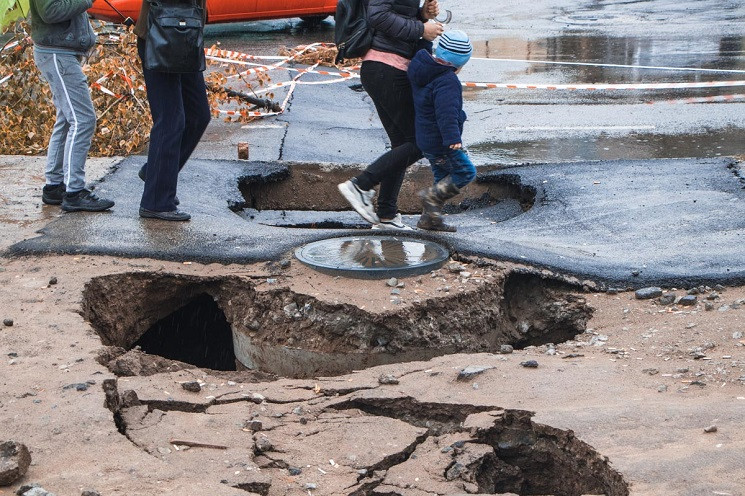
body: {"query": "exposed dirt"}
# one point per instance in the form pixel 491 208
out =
pixel 313 187
pixel 620 408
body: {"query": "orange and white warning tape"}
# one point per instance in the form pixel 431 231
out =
pixel 292 85
pixel 606 87
pixel 232 55
pixel 9 46
pixel 615 66
pixel 123 75
pixel 703 99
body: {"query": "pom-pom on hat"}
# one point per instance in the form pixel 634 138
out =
pixel 454 47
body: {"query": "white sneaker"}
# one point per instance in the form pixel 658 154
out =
pixel 360 200
pixel 396 223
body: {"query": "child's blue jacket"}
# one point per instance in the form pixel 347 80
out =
pixel 438 101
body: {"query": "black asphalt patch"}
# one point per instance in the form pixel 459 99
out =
pixel 625 223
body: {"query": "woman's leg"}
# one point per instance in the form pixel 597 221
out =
pixel 196 111
pixel 169 123
pixel 390 91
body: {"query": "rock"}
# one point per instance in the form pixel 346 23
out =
pixel 712 296
pixel 708 306
pixel 387 379
pixel 52 281
pixel 648 293
pixel 257 398
pixel 78 386
pixel 33 490
pixel 719 287
pixel 530 364
pixel 263 444
pixel 688 301
pixel 254 425
pixel 455 267
pixel 291 310
pixel 465 274
pixel 662 389
pixel 285 264
pixel 294 471
pixel 8 322
pixel 651 371
pixel 472 371
pixel 310 486
pixel 710 429
pixel 693 291
pixel 395 291
pixel 392 282
pixel 612 291
pixel 737 335
pixel 14 461
pixel 89 492
pixel 506 349
pixel 191 386
pixel 667 299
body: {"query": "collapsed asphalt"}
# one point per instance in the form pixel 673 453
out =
pixel 619 223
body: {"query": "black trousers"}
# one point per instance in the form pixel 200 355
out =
pixel 180 111
pixel 390 91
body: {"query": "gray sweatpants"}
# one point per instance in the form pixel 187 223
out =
pixel 76 118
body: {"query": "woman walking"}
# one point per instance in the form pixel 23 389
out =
pixel 180 111
pixel 399 26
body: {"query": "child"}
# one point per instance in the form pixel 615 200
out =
pixel 438 102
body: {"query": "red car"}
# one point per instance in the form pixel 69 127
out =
pixel 227 10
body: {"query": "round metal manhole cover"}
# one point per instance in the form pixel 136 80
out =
pixel 373 257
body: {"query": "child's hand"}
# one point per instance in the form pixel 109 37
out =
pixel 456 146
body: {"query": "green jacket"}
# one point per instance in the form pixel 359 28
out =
pixel 62 24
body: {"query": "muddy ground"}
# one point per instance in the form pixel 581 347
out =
pixel 618 403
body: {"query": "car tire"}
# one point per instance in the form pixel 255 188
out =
pixel 313 20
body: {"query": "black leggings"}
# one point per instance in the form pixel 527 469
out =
pixel 390 91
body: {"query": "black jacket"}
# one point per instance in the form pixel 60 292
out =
pixel 398 26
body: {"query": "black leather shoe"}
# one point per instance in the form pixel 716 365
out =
pixel 52 194
pixel 174 215
pixel 141 175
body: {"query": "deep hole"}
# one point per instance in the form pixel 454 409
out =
pixel 198 333
pixel 312 187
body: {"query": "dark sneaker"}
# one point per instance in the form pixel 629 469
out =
pixel 85 201
pixel 141 175
pixel 52 194
pixel 174 215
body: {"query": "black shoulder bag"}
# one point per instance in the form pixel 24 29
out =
pixel 175 37
pixel 353 35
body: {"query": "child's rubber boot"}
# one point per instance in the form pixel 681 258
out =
pixel 433 198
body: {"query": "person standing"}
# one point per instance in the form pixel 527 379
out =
pixel 62 37
pixel 181 113
pixel 438 99
pixel 400 26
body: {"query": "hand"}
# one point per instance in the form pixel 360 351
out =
pixel 432 30
pixel 431 9
pixel 456 146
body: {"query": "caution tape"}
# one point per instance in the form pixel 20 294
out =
pixel 292 85
pixel 616 66
pixel 703 99
pixel 606 87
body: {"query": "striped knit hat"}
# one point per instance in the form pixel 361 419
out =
pixel 454 47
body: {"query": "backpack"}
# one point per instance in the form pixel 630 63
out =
pixel 353 35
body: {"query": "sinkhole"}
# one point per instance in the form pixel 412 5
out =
pixel 305 195
pixel 224 322
pixel 197 334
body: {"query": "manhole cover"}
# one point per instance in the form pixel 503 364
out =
pixel 373 257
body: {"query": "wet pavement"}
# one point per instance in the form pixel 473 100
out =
pixel 603 221
pixel 546 43
pixel 594 154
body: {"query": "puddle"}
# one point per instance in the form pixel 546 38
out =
pixel 607 146
pixel 281 332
